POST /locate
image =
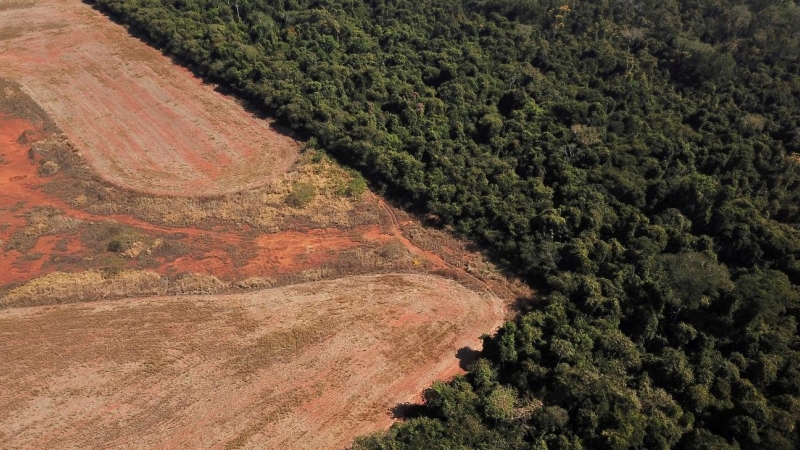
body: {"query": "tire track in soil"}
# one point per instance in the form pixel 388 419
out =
pixel 396 230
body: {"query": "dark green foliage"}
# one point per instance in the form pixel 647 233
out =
pixel 633 159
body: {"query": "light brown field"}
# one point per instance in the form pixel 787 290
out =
pixel 306 366
pixel 141 121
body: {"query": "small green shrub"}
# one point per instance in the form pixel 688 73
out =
pixel 356 186
pixel 302 194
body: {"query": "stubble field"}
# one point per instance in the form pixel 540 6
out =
pixel 142 122
pixel 305 366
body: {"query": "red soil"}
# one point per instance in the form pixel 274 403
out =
pixel 163 131
pixel 227 255
pixel 103 383
pixel 267 255
pixel 18 182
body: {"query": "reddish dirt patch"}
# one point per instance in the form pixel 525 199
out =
pixel 18 181
pixel 225 254
pixel 306 366
pixel 163 131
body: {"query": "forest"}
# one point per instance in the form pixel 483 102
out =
pixel 635 160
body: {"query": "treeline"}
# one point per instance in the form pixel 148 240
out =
pixel 634 159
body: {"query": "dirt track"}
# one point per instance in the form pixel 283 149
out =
pixel 142 122
pixel 307 366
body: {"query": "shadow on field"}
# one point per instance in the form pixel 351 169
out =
pixel 406 410
pixel 466 356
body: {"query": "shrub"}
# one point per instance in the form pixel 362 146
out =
pixel 302 194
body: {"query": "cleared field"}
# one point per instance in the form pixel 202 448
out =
pixel 306 366
pixel 142 122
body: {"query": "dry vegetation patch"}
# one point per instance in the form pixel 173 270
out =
pixel 41 221
pixel 317 193
pixel 59 287
pixel 113 280
pixel 463 255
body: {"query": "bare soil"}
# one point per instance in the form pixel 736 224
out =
pixel 142 122
pixel 306 366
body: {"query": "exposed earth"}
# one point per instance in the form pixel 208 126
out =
pixel 141 121
pixel 306 366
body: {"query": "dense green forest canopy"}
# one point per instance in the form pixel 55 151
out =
pixel 634 159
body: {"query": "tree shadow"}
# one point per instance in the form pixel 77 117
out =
pixel 405 411
pixel 523 305
pixel 466 356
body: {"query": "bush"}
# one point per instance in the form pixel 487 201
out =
pixel 302 194
pixel 357 186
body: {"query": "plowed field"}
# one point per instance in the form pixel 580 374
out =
pixel 142 122
pixel 306 366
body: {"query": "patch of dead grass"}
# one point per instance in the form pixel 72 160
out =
pixel 114 281
pixel 61 287
pixel 14 101
pixel 16 4
pixel 41 221
pixel 464 255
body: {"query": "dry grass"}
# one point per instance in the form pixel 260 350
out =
pixel 113 282
pixel 16 4
pixel 59 287
pixel 41 221
pixel 14 101
pixel 463 255
pixel 385 258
